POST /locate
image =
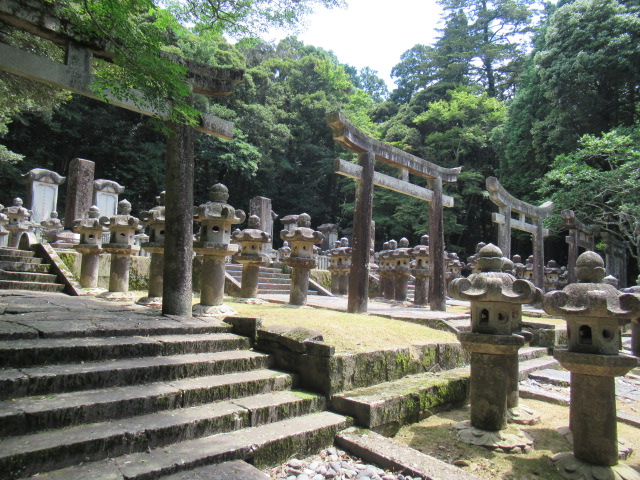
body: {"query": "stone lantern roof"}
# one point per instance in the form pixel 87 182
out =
pixel 492 284
pixel 90 230
pixel 217 208
pixel 17 211
pixel 302 232
pixel 252 233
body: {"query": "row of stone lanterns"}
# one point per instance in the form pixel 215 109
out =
pixel 594 312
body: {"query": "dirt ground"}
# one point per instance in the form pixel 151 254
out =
pixel 436 436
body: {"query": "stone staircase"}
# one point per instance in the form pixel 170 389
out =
pixel 21 270
pixel 175 395
pixel 270 281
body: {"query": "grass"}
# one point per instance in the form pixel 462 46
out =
pixel 436 436
pixel 345 331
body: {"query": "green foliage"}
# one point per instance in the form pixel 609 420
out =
pixel 600 180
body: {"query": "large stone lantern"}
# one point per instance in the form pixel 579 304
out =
pixel 216 218
pixel 251 256
pixel 340 266
pixel 401 263
pixel 594 312
pixel 122 230
pixel 154 218
pixel 90 246
pixel 421 271
pixel 18 221
pixel 302 238
pixel 496 301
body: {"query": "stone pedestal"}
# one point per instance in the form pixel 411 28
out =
pixel 90 230
pixel 121 246
pixel 216 218
pixel 18 222
pixel 302 238
pixel 3 231
pixel 594 311
pixel 155 220
pixel 496 298
pixel 251 241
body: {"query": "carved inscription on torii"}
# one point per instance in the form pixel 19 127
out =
pixel 369 150
pixel 508 205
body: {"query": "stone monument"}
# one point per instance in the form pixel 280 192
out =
pixel 302 238
pixel 105 195
pixel 330 232
pixel 42 192
pixel 216 218
pixel 594 312
pixel 122 230
pixel 154 219
pixel 90 246
pixel 496 302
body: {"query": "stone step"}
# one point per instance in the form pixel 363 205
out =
pixel 275 286
pixel 262 275
pixel 14 252
pixel 529 353
pixel 31 414
pixel 529 366
pixel 27 277
pixel 54 449
pixel 25 267
pixel 20 258
pixel 232 470
pixel 266 445
pixel 27 353
pixel 92 375
pixel 58 325
pixel 31 286
pixel 238 267
pixel 561 378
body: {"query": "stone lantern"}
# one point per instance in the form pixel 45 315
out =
pixel 90 246
pixel 496 302
pixel 18 221
pixel 420 269
pixel 302 239
pixel 454 266
pixel 527 273
pixel 518 266
pixel 154 218
pixel 382 272
pixel 51 227
pixel 551 276
pixel 387 269
pixel 283 253
pixel 400 265
pixel 122 230
pixel 216 218
pixel 3 231
pixel 340 266
pixel 594 312
pixel 251 256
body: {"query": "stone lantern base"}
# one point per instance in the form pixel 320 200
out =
pixel 251 300
pixel 572 468
pixel 200 310
pixel 118 296
pixel 509 440
pixel 150 301
pixel 523 415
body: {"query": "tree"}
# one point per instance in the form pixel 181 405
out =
pixel 497 32
pixel 588 70
pixel 600 180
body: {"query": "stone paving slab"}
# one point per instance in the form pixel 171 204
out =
pixel 388 454
pixel 555 377
pixel 234 470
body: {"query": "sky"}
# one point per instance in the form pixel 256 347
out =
pixel 371 33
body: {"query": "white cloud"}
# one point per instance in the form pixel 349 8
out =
pixel 372 33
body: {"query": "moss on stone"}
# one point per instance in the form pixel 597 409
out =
pixel 137 281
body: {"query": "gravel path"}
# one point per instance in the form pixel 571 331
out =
pixel 333 464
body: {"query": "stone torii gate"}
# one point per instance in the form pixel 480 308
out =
pixel 508 205
pixel 75 75
pixel 369 150
pixel 580 236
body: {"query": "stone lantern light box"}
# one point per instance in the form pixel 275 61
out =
pixel 89 229
pixel 216 217
pixel 122 226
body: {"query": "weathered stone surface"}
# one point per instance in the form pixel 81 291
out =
pixel 233 470
pixel 389 454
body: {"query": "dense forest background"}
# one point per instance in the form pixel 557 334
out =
pixel 544 97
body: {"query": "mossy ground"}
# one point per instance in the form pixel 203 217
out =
pixel 436 436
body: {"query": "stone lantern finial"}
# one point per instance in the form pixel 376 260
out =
pixel 124 207
pixel 219 193
pixel 93 212
pixel 160 199
pixel 254 222
pixel 304 220
pixel 424 240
